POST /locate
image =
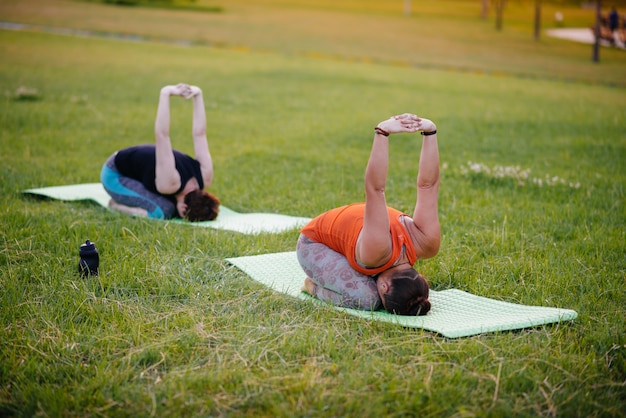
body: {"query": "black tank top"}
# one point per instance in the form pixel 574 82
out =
pixel 139 163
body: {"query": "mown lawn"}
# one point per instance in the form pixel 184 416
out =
pixel 532 210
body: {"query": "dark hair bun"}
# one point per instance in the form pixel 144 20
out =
pixel 422 305
pixel 408 294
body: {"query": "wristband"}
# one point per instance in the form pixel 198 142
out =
pixel 381 131
pixel 429 133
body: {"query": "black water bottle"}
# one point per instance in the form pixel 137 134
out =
pixel 89 259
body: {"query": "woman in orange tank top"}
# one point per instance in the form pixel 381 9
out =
pixel 362 255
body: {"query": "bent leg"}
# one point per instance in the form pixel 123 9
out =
pixel 129 194
pixel 335 281
pixel 128 210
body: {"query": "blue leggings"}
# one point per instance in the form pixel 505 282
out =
pixel 336 282
pixel 130 192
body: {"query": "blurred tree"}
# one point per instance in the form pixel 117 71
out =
pixel 537 19
pixel 596 43
pixel 484 9
pixel 499 10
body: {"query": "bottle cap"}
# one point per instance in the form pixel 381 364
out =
pixel 88 244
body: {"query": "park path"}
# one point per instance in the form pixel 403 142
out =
pixel 583 35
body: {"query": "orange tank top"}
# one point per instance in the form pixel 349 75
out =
pixel 339 230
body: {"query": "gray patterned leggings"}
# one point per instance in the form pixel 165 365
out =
pixel 336 282
pixel 131 192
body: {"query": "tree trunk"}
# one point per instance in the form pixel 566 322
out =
pixel 499 9
pixel 596 42
pixel 537 19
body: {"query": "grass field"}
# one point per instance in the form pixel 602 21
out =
pixel 533 148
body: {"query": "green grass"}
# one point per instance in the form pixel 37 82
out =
pixel 170 329
pixel 438 34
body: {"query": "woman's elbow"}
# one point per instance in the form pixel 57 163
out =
pixel 199 133
pixel 433 248
pixel 430 246
pixel 167 187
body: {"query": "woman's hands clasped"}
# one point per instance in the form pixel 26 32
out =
pixel 181 89
pixel 406 122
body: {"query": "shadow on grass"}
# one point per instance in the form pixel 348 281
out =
pixel 161 4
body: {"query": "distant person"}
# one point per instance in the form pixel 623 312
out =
pixel 361 255
pixel 157 181
pixel 614 28
pixel 613 20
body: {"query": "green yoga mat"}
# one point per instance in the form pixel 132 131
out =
pixel 454 313
pixel 245 223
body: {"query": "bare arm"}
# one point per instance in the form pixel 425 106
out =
pixel 374 243
pixel 167 178
pixel 200 144
pixel 425 215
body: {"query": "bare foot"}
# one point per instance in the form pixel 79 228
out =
pixel 128 210
pixel 309 287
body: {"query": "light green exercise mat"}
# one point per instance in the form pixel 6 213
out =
pixel 454 313
pixel 245 223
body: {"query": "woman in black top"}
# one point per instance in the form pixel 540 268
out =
pixel 158 181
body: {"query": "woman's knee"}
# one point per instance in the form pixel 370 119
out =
pixel 368 301
pixel 156 213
